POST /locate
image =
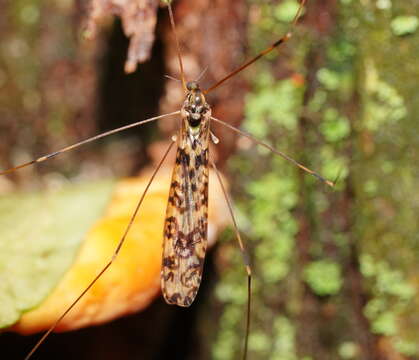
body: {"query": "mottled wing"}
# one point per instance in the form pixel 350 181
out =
pixel 186 224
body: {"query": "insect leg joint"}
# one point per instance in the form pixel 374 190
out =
pixel 214 139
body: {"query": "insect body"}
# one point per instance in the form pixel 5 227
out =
pixel 186 224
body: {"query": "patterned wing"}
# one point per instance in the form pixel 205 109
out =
pixel 186 224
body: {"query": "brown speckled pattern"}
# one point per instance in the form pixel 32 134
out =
pixel 186 224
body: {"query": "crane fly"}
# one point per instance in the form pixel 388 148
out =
pixel 186 221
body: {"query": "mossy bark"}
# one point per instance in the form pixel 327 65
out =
pixel 346 288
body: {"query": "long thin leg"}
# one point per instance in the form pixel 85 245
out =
pixel 106 267
pixel 280 41
pixel 275 151
pixel 70 147
pixel 246 260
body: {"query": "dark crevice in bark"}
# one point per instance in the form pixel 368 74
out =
pixel 355 292
pixel 128 98
pixel 309 322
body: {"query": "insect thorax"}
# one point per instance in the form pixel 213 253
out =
pixel 195 110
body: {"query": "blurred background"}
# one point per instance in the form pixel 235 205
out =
pixel 336 271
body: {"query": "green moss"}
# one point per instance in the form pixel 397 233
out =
pixel 286 10
pixel 348 350
pixel 324 277
pixel 404 25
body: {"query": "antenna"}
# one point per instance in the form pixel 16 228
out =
pixel 179 56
